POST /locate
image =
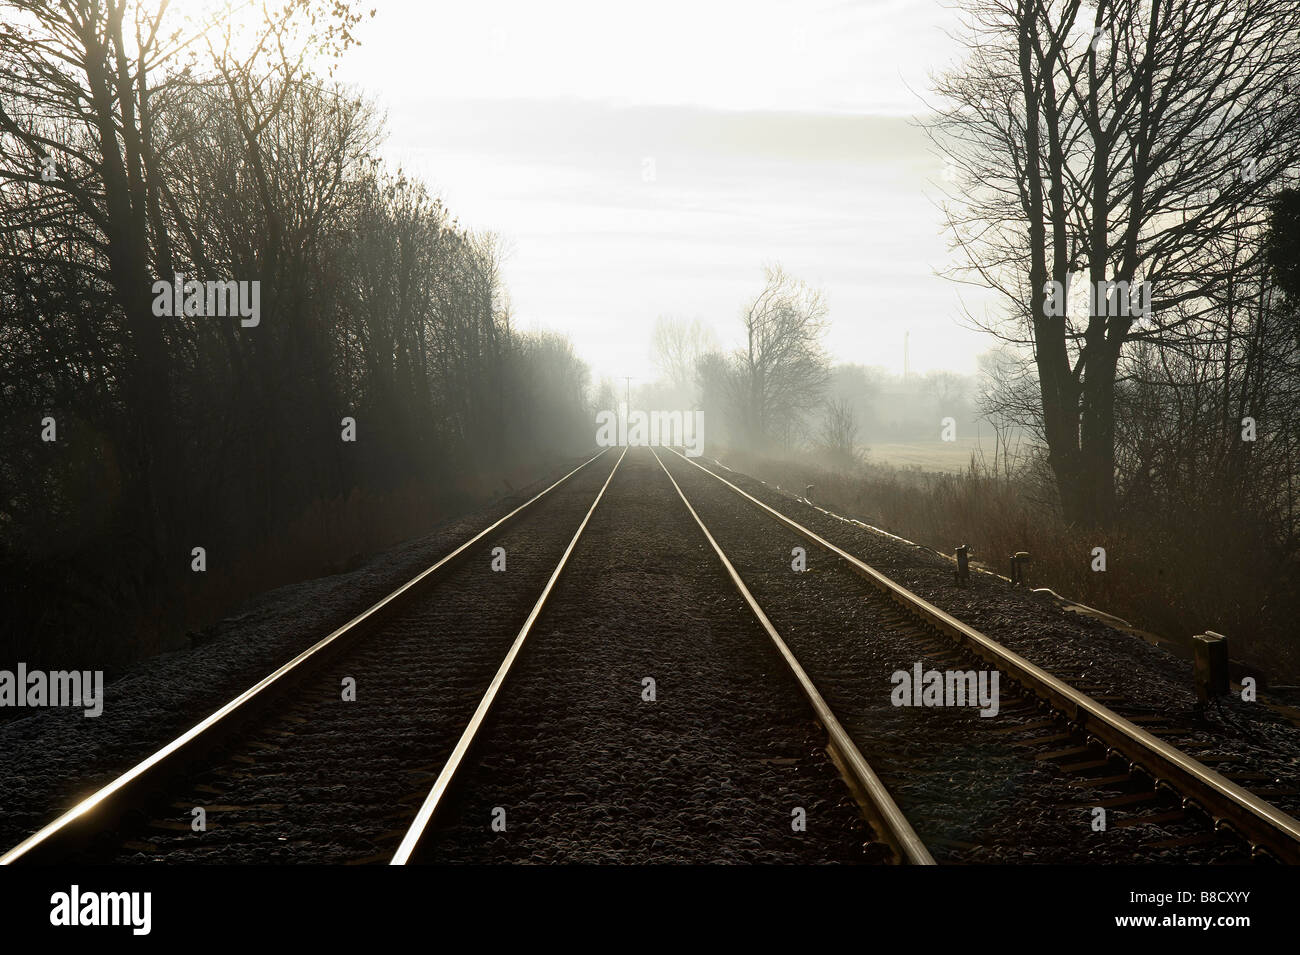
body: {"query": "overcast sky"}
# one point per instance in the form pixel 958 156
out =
pixel 648 158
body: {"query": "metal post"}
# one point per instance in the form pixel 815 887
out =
pixel 1019 573
pixel 963 565
pixel 1210 665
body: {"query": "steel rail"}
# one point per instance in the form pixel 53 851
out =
pixel 420 824
pixel 891 824
pixel 1259 822
pixel 109 798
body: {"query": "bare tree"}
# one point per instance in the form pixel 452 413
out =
pixel 781 369
pixel 1124 141
pixel 838 439
pixel 1008 400
pixel 677 345
pixel 947 387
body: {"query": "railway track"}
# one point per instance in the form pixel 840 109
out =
pixel 556 762
pixel 1097 758
pixel 1117 763
pixel 876 800
pixel 240 789
pixel 296 697
pixel 415 833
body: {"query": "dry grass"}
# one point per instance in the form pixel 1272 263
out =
pixel 1174 575
pixel 938 456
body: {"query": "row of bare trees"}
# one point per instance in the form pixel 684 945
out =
pixel 761 395
pixel 1107 144
pixel 135 148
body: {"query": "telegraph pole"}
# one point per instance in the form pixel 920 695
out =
pixel 627 407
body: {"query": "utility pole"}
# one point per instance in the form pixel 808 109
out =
pixel 905 337
pixel 627 407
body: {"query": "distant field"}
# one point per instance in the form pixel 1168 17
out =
pixel 930 455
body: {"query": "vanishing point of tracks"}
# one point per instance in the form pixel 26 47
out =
pixel 628 668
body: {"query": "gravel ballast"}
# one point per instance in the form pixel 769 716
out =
pixel 54 757
pixel 577 763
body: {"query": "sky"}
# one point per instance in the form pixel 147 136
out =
pixel 647 159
